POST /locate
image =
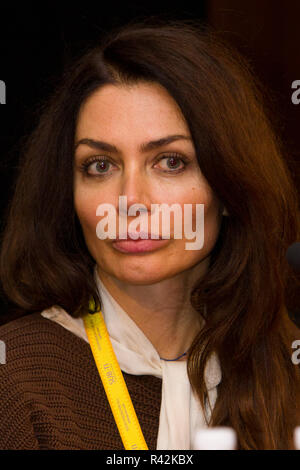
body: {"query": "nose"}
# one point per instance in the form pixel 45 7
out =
pixel 135 186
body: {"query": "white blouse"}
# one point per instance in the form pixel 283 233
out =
pixel 181 414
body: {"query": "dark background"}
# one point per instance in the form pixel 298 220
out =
pixel 38 39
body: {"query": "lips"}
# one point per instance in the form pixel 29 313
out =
pixel 136 236
pixel 138 246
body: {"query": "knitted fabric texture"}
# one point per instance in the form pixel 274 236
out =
pixel 51 395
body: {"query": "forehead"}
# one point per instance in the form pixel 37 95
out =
pixel 140 108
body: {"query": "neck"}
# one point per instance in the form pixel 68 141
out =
pixel 161 310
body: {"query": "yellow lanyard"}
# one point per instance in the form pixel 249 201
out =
pixel 113 382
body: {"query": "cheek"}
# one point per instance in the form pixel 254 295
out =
pixel 205 196
pixel 85 207
pixel 201 195
pixel 212 221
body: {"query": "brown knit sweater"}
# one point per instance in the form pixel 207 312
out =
pixel 51 395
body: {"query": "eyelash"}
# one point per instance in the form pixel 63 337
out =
pixel 86 164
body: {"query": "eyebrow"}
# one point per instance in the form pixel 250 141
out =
pixel 145 147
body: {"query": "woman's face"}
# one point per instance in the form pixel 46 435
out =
pixel 127 117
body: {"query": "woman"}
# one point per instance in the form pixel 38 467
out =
pixel 202 335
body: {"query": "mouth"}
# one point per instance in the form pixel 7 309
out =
pixel 142 243
pixel 138 236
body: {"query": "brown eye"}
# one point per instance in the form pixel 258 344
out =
pixel 173 163
pixel 102 165
pixel 97 166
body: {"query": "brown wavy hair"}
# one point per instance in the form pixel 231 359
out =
pixel 44 259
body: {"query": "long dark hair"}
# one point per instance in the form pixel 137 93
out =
pixel 45 261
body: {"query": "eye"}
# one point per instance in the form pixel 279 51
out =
pixel 173 163
pixel 95 166
pixel 99 166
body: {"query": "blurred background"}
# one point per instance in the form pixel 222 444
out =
pixel 37 40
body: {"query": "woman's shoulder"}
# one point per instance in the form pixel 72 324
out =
pixel 50 383
pixel 29 321
pixel 32 344
pixel 32 328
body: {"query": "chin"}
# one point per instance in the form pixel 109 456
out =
pixel 145 269
pixel 140 278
